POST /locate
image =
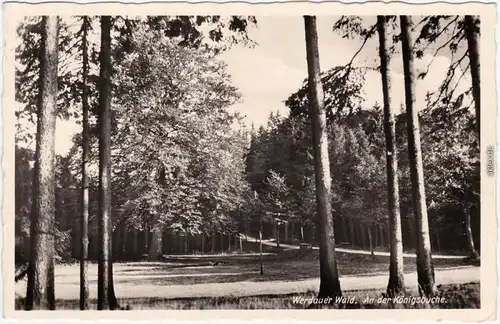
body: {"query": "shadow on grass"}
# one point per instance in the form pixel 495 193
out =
pixel 465 296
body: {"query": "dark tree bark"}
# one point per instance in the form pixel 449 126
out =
pixel 302 232
pixel 472 35
pixel 396 278
pixel 40 288
pixel 425 269
pixel 84 221
pixel 105 289
pixel 353 235
pixel 329 284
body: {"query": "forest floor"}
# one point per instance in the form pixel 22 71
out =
pixel 236 275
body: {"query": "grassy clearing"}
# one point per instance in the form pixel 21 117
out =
pixel 455 297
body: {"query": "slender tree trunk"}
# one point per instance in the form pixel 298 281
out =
pixel 438 242
pixel 302 232
pixel 425 269
pixel 213 241
pixel 221 242
pixel 241 244
pixel 260 247
pixel 229 241
pixel 351 230
pixel 381 235
pixel 286 232
pixel 277 234
pixel 370 239
pixel 363 235
pixel 40 288
pixel 116 242
pixel 84 220
pixel 396 278
pixel 468 229
pixel 146 238
pixel 135 243
pixel 344 230
pixel 293 231
pixel 105 290
pixel 155 248
pixel 472 34
pixel 329 284
pixel 203 243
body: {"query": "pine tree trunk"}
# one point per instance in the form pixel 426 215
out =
pixel 105 291
pixel 40 288
pixel 472 34
pixel 84 220
pixel 425 269
pixel 396 278
pixel 329 277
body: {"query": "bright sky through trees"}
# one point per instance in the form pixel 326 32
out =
pixel 276 67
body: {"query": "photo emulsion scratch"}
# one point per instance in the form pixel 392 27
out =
pixel 325 157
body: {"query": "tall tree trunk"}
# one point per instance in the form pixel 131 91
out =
pixel 40 288
pixel 344 229
pixel 241 244
pixel 472 34
pixel 370 239
pixel 396 278
pixel 425 269
pixel 105 289
pixel 84 220
pixel 229 241
pixel 363 234
pixel 155 248
pixel 468 229
pixel 329 284
pixel 135 243
pixel 351 230
pixel 146 238
pixel 380 235
pixel 286 232
pixel 213 241
pixel 221 242
pixel 203 243
pixel 438 242
pixel 260 248
pixel 302 232
pixel 293 231
pixel 125 244
pixel 277 234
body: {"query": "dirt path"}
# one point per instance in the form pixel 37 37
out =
pixel 67 285
pixel 355 251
